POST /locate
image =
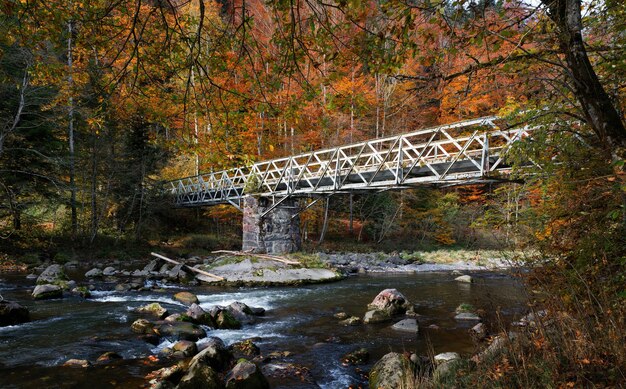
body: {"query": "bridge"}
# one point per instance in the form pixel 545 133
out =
pixel 466 152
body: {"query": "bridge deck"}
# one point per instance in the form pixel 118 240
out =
pixel 468 151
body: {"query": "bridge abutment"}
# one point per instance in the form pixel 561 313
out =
pixel 276 233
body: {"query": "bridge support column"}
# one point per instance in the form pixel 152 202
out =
pixel 276 233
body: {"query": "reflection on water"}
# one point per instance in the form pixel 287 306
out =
pixel 298 319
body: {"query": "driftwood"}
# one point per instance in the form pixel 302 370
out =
pixel 262 256
pixel 204 273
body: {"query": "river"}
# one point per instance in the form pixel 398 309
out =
pixel 298 319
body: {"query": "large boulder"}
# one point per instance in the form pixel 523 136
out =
pixel 186 298
pixel 47 291
pixel 180 331
pixel 213 352
pixel 52 275
pixel 200 376
pixel 226 321
pixel 11 313
pixel 197 315
pixel 241 312
pixel 181 349
pixel 246 375
pixel 390 372
pixel 390 301
pixel 245 349
pixel 154 309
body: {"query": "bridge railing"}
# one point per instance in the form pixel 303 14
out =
pixel 468 150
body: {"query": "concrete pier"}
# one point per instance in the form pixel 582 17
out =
pixel 277 233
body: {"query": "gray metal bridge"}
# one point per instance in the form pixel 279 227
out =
pixel 471 151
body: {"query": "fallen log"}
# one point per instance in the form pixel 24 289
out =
pixel 262 256
pixel 193 269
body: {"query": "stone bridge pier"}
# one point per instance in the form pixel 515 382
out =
pixel 276 233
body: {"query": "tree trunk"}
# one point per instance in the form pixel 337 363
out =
pixel 596 104
pixel 70 81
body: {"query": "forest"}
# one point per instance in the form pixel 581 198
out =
pixel 104 101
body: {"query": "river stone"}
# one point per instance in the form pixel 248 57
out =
pixel 446 357
pixel 48 291
pixel 142 326
pixel 200 376
pixel 139 273
pixel 95 272
pixel 257 311
pixel 154 309
pixel 408 325
pixel 151 266
pixel 199 315
pixel 244 349
pixel 213 353
pixel 467 316
pixel 340 315
pixel 479 331
pixel 376 316
pixel 109 271
pixel 389 372
pixel 82 291
pixel 356 357
pixel 241 312
pixel 390 301
pixel 464 278
pixel 77 363
pixel 246 375
pixel 11 313
pixel 108 357
pixel 180 330
pixel 464 308
pixel 351 321
pixel 174 317
pixel 52 275
pixel 184 349
pixel 186 298
pixel 225 321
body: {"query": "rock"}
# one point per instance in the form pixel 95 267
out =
pixel 443 370
pixel 446 357
pixel 52 275
pixel 181 349
pixel 456 273
pixel 467 316
pixel 164 269
pixel 174 317
pixel 200 376
pixel 199 315
pixel 464 278
pixel 31 277
pixel 433 327
pixel 77 363
pixel 109 271
pixel 246 375
pixel 93 273
pixel 340 315
pixel 408 325
pixel 356 357
pixel 48 291
pixel 225 321
pixel 82 291
pixel 180 330
pixel 241 312
pixel 390 301
pixel 177 272
pixel 164 378
pixel 122 287
pixel 11 313
pixel 108 357
pixel 376 316
pixel 142 326
pixel 213 353
pixel 257 311
pixel 244 349
pixel 154 309
pixel 479 331
pixel 139 273
pixel 531 319
pixel 351 321
pixel 186 298
pixel 152 266
pixel 389 372
pixel 465 308
pixel 496 346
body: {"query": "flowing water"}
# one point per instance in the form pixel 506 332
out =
pixel 298 319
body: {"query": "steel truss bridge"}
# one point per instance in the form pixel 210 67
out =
pixel 471 151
